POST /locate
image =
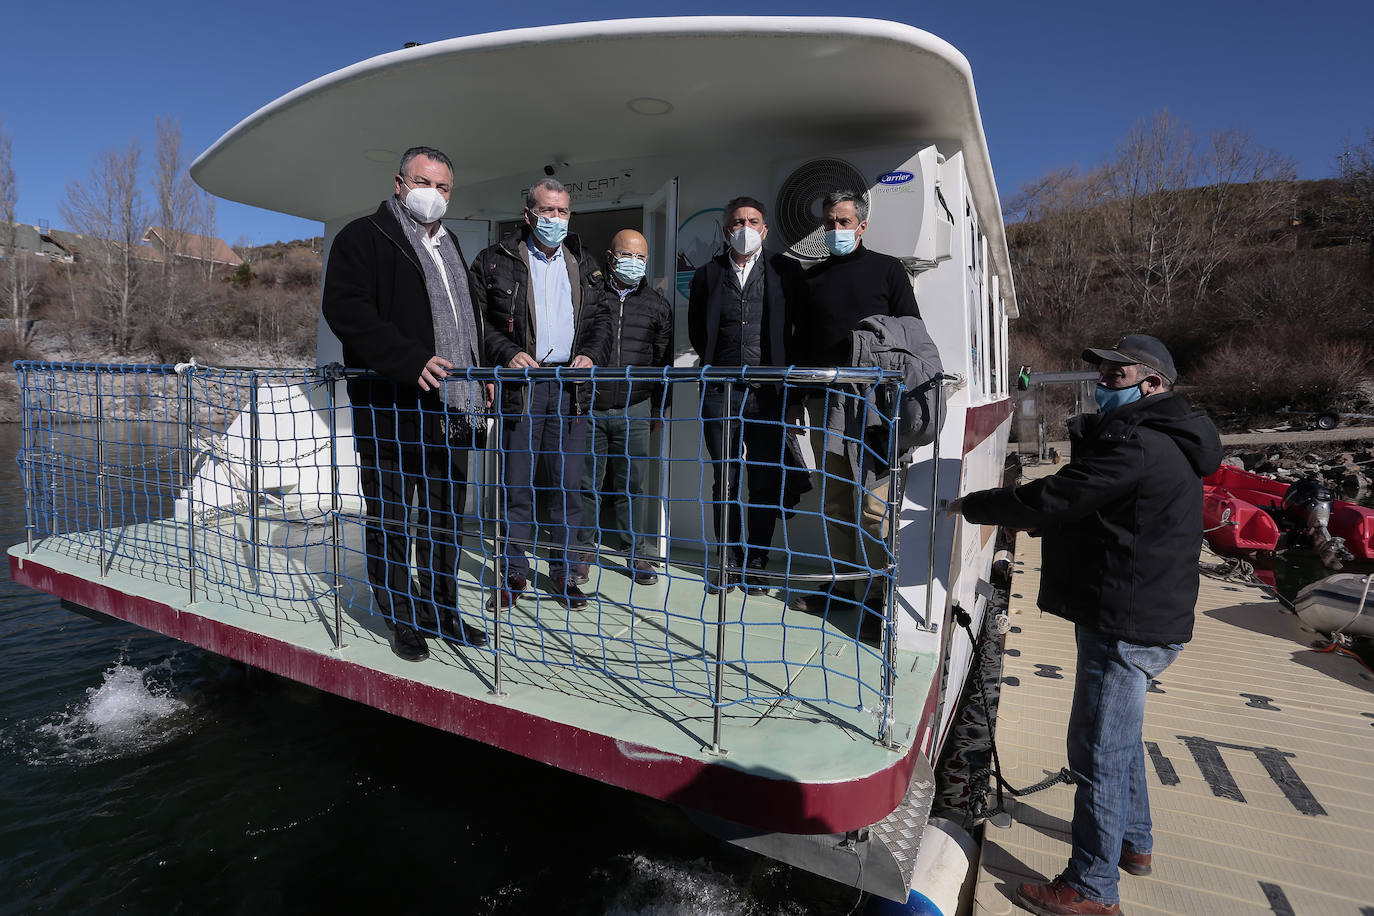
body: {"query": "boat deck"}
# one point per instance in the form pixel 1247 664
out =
pixel 603 691
pixel 1258 759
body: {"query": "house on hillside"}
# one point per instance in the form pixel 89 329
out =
pixel 34 240
pixel 189 247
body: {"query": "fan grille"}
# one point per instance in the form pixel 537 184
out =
pixel 797 213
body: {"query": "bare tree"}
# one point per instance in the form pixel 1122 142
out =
pixel 108 208
pixel 1357 174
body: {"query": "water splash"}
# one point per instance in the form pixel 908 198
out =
pixel 653 887
pixel 132 711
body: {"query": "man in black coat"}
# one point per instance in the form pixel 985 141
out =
pixel 625 415
pixel 540 292
pixel 1122 526
pixel 852 284
pixel 740 312
pixel 396 295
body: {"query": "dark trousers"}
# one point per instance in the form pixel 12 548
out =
pixel 749 430
pixel 544 450
pixel 621 443
pixel 406 457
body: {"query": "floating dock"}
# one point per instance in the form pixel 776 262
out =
pixel 1258 753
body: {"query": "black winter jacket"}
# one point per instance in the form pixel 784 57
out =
pixel 784 294
pixel 1122 523
pixel 376 303
pixel 641 336
pixel 501 294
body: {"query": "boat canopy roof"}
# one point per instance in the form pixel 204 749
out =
pixel 507 103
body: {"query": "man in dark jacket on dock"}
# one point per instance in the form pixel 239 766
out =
pixel 625 416
pixel 1121 527
pixel 540 292
pixel 740 312
pixel 396 295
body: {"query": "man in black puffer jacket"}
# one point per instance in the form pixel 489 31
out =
pixel 625 415
pixel 540 292
pixel 1121 528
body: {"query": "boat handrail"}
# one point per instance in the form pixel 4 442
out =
pixel 157 470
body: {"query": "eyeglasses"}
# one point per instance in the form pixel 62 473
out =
pixel 644 258
pixel 562 212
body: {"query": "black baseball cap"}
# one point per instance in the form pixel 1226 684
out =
pixel 1148 351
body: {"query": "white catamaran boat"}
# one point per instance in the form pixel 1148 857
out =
pixel 220 506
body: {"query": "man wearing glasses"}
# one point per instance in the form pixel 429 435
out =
pixel 541 293
pixel 396 294
pixel 625 416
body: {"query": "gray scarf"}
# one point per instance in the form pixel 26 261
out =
pixel 455 337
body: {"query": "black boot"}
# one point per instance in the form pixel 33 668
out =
pixel 409 644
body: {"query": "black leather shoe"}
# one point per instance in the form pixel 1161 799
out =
pixel 716 582
pixel 756 578
pixel 570 596
pixel 515 586
pixel 409 644
pixel 452 628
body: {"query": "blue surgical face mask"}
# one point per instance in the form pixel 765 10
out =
pixel 840 241
pixel 1112 398
pixel 629 270
pixel 551 230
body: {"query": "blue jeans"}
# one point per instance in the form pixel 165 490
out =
pixel 1111 803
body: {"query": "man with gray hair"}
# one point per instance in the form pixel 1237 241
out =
pixel 852 284
pixel 396 295
pixel 541 293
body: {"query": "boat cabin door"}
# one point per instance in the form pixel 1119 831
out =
pixel 660 231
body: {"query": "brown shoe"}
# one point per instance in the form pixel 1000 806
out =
pixel 1134 863
pixel 568 595
pixel 505 597
pixel 644 573
pixel 1058 898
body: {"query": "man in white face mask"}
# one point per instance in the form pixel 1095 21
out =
pixel 396 295
pixel 740 313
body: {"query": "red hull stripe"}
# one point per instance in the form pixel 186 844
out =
pixel 743 797
pixel 982 421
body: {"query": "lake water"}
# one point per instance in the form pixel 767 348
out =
pixel 139 774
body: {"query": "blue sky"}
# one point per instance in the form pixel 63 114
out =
pixel 1057 83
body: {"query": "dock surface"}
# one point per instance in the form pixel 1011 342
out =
pixel 1258 752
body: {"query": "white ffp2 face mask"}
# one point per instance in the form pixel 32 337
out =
pixel 426 204
pixel 746 240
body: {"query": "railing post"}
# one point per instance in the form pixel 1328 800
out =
pixel 889 636
pixel 494 461
pixel 934 505
pixel 254 481
pixel 26 449
pixel 187 464
pixel 336 548
pixel 100 507
pixel 722 557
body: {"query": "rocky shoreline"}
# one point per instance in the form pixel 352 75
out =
pixel 1343 470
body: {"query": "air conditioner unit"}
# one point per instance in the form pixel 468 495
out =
pixel 907 217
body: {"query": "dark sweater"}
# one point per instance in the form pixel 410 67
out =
pixel 846 289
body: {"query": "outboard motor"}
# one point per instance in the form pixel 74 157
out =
pixel 1307 506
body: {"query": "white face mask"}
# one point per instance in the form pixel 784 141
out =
pixel 427 205
pixel 746 240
